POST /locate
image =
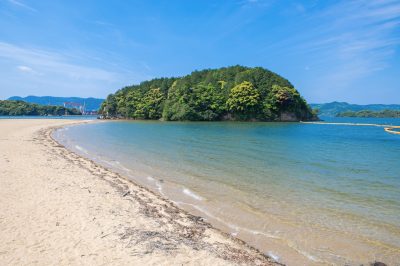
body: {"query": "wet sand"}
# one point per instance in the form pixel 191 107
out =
pixel 57 208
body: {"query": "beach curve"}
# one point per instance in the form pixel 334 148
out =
pixel 58 207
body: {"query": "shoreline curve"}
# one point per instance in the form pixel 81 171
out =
pixel 257 258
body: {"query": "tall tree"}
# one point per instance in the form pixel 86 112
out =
pixel 244 100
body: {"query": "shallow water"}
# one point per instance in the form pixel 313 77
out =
pixel 303 193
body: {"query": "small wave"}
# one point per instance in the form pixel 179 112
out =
pixel 105 161
pixel 255 232
pixel 273 256
pixel 191 194
pixel 310 257
pixel 159 187
pixel 81 149
pixel 158 184
pixel 114 163
pixel 120 165
pixel 236 229
pixel 231 226
pixel 305 254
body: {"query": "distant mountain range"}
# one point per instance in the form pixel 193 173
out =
pixel 334 108
pixel 91 104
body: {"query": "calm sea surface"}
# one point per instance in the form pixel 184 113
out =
pixel 305 194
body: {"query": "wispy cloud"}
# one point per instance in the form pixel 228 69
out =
pixel 51 71
pixel 25 69
pixel 367 38
pixel 50 62
pixel 102 23
pixel 349 39
pixel 255 3
pixel 29 70
pixel 22 5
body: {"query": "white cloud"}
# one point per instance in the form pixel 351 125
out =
pixel 22 5
pixel 28 70
pixel 102 23
pixel 59 74
pixel 50 62
pixel 368 38
pixel 25 69
pixel 255 3
pixel 346 44
pixel 355 38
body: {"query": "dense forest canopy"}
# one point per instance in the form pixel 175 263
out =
pixel 372 114
pixel 17 108
pixel 231 93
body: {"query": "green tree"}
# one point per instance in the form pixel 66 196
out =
pixel 212 94
pixel 287 100
pixel 109 106
pixel 244 100
pixel 10 107
pixel 154 103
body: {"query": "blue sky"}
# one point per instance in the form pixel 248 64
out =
pixel 330 50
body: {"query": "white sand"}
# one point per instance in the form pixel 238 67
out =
pixel 57 208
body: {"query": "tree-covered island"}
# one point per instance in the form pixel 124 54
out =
pixel 19 108
pixel 371 114
pixel 229 93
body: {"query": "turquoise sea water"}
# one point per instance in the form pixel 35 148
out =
pixel 303 193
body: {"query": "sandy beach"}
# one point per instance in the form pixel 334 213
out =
pixel 57 208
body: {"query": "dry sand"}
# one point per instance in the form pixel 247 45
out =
pixel 57 208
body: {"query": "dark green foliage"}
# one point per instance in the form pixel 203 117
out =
pixel 238 93
pixel 372 114
pixel 200 102
pixel 18 108
pixel 287 100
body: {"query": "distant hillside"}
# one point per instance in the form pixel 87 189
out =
pixel 91 104
pixel 19 108
pixel 371 114
pixel 335 108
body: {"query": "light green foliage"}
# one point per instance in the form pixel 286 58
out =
pixel 282 97
pixel 235 92
pixel 243 100
pixel 154 103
